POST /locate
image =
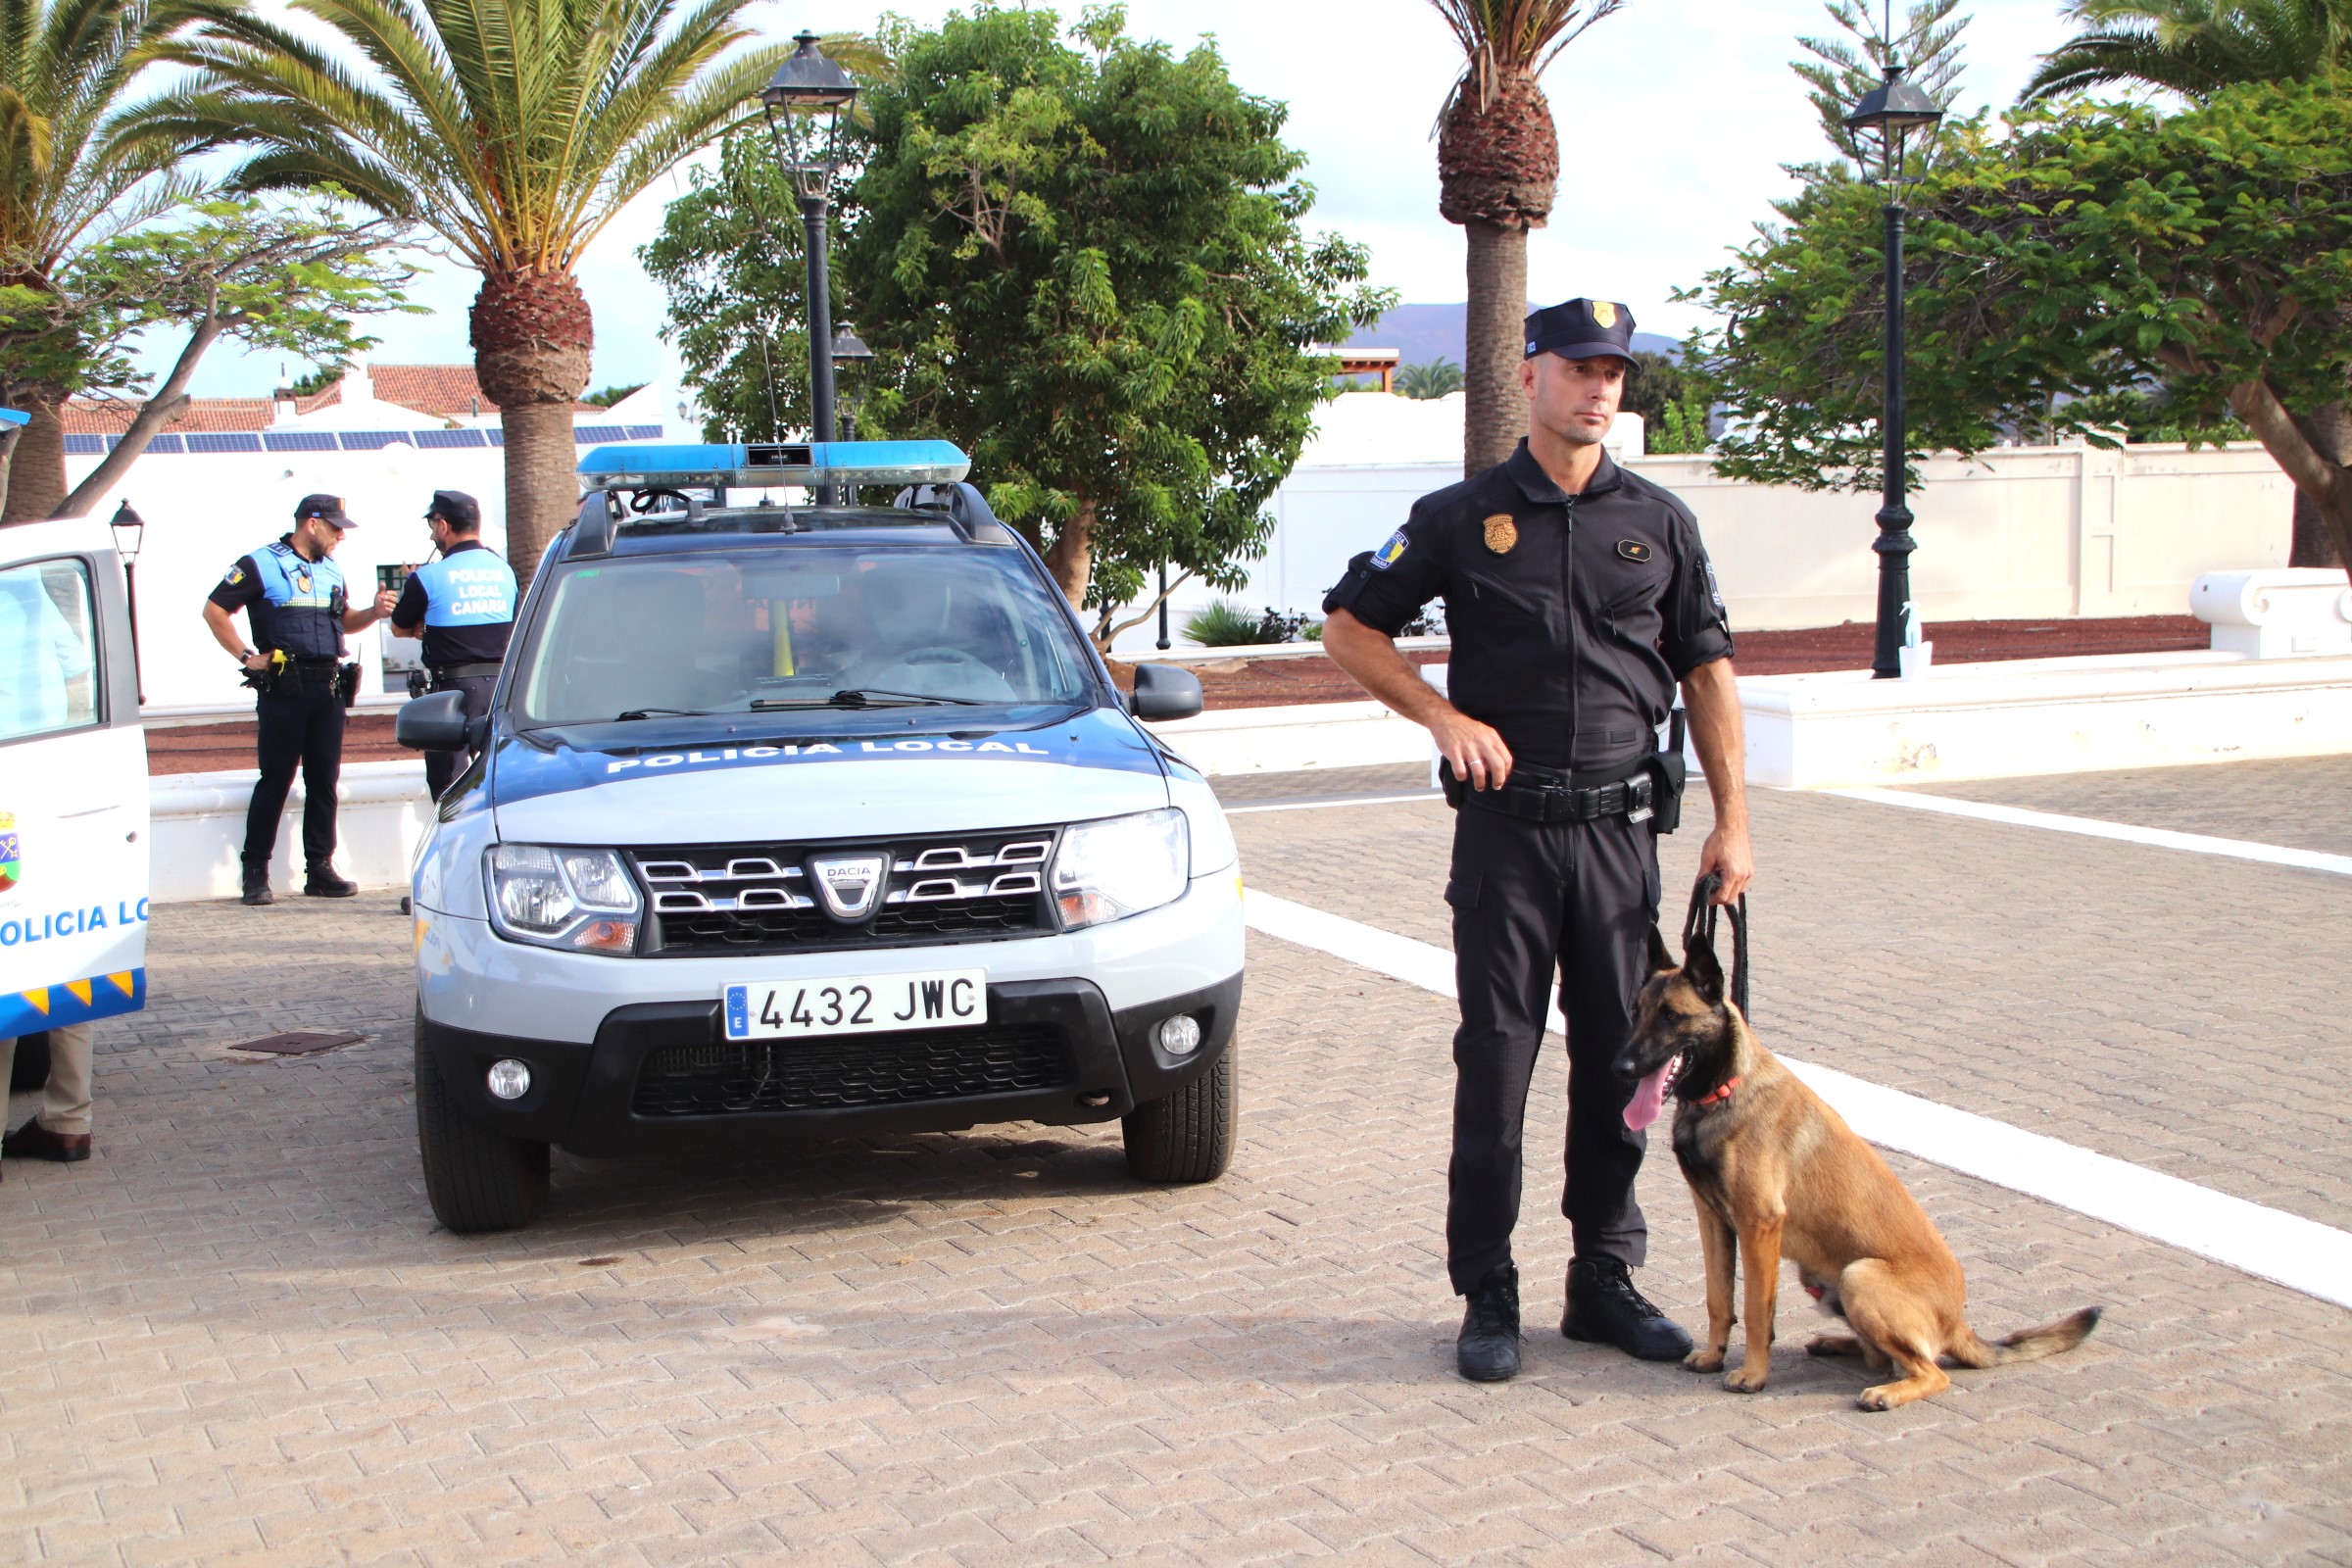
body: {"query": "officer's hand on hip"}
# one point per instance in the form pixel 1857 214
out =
pixel 1475 750
pixel 1727 854
pixel 255 660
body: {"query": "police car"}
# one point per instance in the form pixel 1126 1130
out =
pixel 799 821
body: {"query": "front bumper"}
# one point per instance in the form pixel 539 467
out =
pixel 661 1076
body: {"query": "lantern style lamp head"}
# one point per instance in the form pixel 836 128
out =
pixel 807 105
pixel 129 528
pixel 850 350
pixel 1889 114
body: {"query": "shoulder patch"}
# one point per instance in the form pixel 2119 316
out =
pixel 236 575
pixel 1390 554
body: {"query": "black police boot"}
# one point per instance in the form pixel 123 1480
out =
pixel 1605 1308
pixel 256 885
pixel 323 883
pixel 1488 1348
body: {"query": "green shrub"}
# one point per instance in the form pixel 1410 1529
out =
pixel 1223 624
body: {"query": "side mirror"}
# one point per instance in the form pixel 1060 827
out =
pixel 1163 692
pixel 435 723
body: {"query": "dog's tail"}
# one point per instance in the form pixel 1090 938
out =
pixel 2028 1344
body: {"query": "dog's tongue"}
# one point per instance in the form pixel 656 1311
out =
pixel 1650 1098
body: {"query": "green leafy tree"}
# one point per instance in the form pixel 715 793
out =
pixel 1436 378
pixel 1499 168
pixel 1085 263
pixel 2094 251
pixel 606 396
pixel 68 182
pixel 514 129
pixel 1673 405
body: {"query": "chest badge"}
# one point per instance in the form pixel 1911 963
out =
pixel 302 582
pixel 1633 550
pixel 1502 533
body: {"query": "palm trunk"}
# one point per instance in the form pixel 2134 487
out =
pixel 1072 557
pixel 1495 410
pixel 532 334
pixel 2329 431
pixel 36 471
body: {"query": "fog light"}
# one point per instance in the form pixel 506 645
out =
pixel 510 1079
pixel 1180 1036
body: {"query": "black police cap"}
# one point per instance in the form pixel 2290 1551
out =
pixel 459 510
pixel 1581 329
pixel 326 509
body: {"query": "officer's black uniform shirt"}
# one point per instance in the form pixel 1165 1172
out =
pixel 310 624
pixel 481 643
pixel 1571 616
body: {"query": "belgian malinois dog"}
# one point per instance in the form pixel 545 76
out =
pixel 1775 1171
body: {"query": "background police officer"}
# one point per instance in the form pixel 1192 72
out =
pixel 1576 595
pixel 293 594
pixel 464 606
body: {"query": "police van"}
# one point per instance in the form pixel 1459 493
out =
pixel 74 871
pixel 796 821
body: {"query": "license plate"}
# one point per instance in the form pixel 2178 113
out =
pixel 858 1004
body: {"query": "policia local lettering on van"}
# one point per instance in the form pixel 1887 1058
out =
pixel 293 594
pixel 1576 596
pixel 464 604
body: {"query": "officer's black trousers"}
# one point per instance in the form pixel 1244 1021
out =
pixel 305 728
pixel 441 768
pixel 1532 900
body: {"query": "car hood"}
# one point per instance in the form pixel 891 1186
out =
pixel 727 790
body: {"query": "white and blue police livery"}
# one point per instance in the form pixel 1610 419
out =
pixel 794 821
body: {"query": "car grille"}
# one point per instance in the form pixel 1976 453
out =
pixel 736 897
pixel 846 1071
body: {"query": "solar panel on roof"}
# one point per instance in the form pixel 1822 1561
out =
pixel 224 441
pixel 85 446
pixel 298 441
pixel 443 439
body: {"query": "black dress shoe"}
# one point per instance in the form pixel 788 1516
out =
pixel 1487 1348
pixel 1605 1308
pixel 323 883
pixel 257 886
pixel 32 1141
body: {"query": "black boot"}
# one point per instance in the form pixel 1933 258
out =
pixel 1487 1348
pixel 256 885
pixel 323 883
pixel 1605 1308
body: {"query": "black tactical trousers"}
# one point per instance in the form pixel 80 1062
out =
pixel 1533 901
pixel 441 768
pixel 303 728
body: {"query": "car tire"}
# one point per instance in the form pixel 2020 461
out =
pixel 32 1067
pixel 477 1180
pixel 1185 1136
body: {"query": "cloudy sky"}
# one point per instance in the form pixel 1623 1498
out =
pixel 1675 116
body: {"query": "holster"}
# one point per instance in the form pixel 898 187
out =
pixel 347 682
pixel 1671 772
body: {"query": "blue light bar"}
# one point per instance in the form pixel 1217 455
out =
pixel 11 417
pixel 758 464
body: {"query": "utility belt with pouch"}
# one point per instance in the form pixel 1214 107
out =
pixel 1649 791
pixel 1669 772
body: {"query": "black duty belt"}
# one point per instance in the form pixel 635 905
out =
pixel 1558 800
pixel 465 672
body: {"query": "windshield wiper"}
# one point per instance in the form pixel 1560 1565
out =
pixel 664 713
pixel 864 697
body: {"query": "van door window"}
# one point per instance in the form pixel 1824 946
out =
pixel 48 649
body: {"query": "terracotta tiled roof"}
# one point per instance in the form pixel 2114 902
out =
pixel 92 417
pixel 444 391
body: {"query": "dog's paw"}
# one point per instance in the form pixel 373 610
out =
pixel 1834 1344
pixel 1746 1379
pixel 1703 1361
pixel 1877 1398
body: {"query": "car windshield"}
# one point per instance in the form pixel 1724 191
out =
pixel 808 626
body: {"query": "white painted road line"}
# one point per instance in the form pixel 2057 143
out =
pixel 1345 800
pixel 2299 1254
pixel 2093 827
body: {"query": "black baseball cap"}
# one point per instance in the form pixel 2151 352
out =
pixel 461 509
pixel 326 509
pixel 1581 329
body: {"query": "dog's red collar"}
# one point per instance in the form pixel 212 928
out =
pixel 1722 1091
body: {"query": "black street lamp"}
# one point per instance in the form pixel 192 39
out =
pixel 1888 114
pixel 130 528
pixel 850 355
pixel 807 105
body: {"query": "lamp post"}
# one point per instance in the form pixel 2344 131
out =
pixel 1888 114
pixel 808 107
pixel 128 529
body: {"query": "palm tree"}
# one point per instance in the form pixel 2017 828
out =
pixel 66 184
pixel 1498 166
pixel 2196 48
pixel 514 129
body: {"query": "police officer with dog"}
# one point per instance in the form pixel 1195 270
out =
pixel 463 603
pixel 294 595
pixel 1576 596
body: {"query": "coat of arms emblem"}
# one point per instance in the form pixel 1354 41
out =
pixel 1502 533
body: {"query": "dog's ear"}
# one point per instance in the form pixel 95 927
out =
pixel 1661 958
pixel 1703 971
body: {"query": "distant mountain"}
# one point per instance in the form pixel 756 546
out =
pixel 1425 332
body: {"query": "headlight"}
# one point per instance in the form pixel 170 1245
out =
pixel 581 898
pixel 1120 867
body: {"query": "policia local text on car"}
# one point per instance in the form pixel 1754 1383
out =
pixel 1576 596
pixel 293 592
pixel 464 604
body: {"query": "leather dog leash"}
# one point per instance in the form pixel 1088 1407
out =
pixel 1702 915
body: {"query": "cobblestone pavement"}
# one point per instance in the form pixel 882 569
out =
pixel 235 1335
pixel 2304 802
